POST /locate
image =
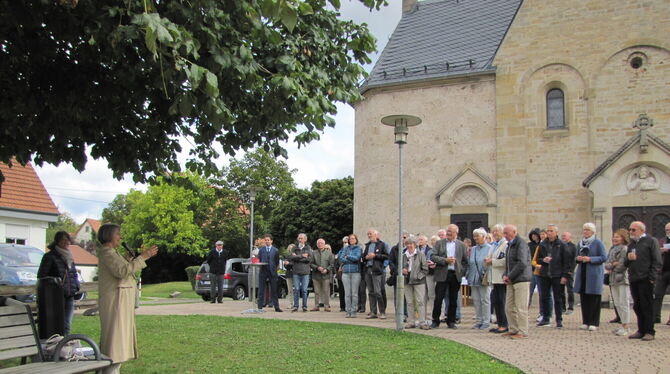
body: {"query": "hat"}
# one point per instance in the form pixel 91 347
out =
pixel 219 242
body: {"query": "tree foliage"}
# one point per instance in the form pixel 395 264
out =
pixel 324 211
pixel 117 210
pixel 65 222
pixel 270 175
pixel 129 79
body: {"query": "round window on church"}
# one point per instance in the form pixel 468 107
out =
pixel 636 62
pixel 637 59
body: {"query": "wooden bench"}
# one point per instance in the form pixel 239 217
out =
pixel 19 339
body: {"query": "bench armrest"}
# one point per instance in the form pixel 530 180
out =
pixel 61 344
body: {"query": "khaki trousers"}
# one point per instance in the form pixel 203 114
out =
pixel 516 307
pixel 416 293
pixel 321 291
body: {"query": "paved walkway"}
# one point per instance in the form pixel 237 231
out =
pixel 548 350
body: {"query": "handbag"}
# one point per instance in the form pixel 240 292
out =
pixel 485 279
pixel 606 281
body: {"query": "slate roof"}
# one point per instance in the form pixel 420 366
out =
pixel 23 190
pixel 442 38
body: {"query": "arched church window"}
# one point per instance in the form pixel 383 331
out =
pixel 555 109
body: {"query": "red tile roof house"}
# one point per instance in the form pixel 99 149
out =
pixel 85 262
pixel 86 232
pixel 25 206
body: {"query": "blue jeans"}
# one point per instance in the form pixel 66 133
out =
pixel 300 283
pixel 69 312
pixel 351 282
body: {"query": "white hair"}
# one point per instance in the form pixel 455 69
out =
pixel 480 231
pixel 589 226
pixel 498 227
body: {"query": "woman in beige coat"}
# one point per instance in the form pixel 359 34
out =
pixel 117 289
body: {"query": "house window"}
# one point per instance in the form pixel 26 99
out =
pixel 15 241
pixel 87 228
pixel 555 109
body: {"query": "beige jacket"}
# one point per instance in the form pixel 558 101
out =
pixel 498 264
pixel 117 288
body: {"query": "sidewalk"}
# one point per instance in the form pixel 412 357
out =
pixel 548 350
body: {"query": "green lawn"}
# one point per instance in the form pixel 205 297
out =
pixel 162 290
pixel 211 344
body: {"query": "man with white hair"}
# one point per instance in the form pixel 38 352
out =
pixel 450 256
pixel 644 263
pixel 517 278
pixel 374 256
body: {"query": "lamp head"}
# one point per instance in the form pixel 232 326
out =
pixel 401 124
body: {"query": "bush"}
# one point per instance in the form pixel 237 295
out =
pixel 191 271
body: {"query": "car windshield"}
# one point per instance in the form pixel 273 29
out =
pixel 18 257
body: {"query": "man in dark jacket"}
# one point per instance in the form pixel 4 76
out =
pixel 216 259
pixel 644 263
pixel 571 253
pixel 374 256
pixel 517 278
pixel 450 256
pixel 663 277
pixel 554 266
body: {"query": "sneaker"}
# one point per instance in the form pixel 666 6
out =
pixel 543 324
pixel 382 316
pixel 621 332
pixel 484 326
pixel 593 328
pixel 647 338
pixel 294 310
pixel 451 326
pixel 583 327
pixel 424 327
pixel 458 320
pixel 304 309
pixel 539 318
pixel 410 326
pixel 434 325
pixel 371 316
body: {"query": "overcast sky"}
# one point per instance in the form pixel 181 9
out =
pixel 85 194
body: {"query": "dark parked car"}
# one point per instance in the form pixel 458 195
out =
pixel 235 281
pixel 18 267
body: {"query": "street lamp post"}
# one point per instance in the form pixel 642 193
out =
pixel 252 198
pixel 401 124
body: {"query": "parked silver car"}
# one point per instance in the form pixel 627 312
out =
pixel 235 280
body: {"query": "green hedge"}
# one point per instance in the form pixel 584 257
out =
pixel 191 271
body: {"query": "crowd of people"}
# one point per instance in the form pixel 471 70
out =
pixel 502 271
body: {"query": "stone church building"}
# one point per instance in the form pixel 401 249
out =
pixel 533 112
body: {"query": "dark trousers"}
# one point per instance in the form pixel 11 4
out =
pixel 643 295
pixel 375 283
pixel 549 286
pixel 498 296
pixel 659 291
pixel 452 285
pixel 590 309
pixel 362 294
pixel 571 294
pixel 216 280
pixel 273 289
pixel 340 291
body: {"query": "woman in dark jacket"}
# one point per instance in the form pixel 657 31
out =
pixel 59 263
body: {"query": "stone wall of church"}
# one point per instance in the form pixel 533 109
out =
pixel 458 128
pixel 585 48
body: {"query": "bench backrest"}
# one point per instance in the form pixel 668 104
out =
pixel 18 336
